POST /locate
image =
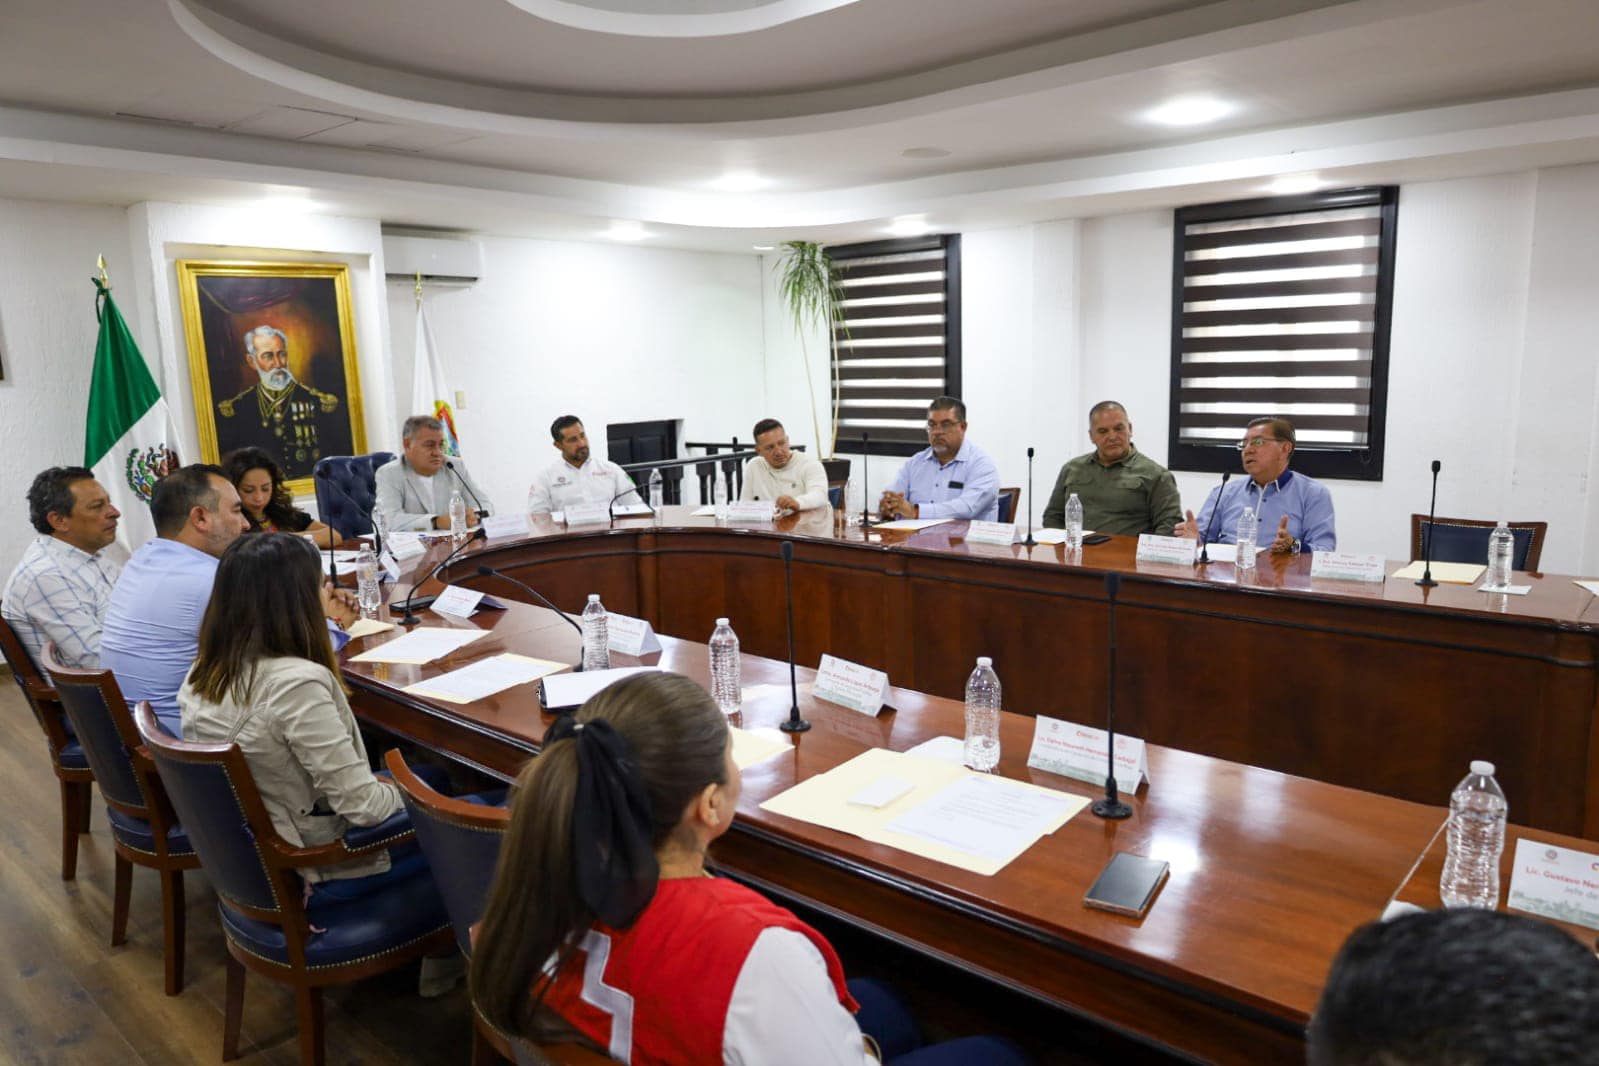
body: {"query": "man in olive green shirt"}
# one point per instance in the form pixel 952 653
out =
pixel 1123 491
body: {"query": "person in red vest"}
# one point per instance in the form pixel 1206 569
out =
pixel 604 926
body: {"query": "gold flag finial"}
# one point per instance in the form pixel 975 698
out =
pixel 418 286
pixel 104 279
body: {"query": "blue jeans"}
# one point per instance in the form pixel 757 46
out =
pixel 886 1019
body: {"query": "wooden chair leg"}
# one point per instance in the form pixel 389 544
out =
pixel 173 915
pixel 119 901
pixel 308 1012
pixel 86 805
pixel 233 1009
pixel 70 810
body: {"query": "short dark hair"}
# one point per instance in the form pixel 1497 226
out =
pixel 179 493
pixel 945 403
pixel 562 424
pixel 1281 428
pixel 1105 405
pixel 766 425
pixel 51 493
pixel 417 423
pixel 1457 987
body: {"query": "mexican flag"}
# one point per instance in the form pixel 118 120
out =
pixel 129 444
pixel 428 394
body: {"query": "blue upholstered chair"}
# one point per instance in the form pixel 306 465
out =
pixel 267 926
pixel 144 830
pixel 346 489
pixel 1465 540
pixel 67 760
pixel 1007 504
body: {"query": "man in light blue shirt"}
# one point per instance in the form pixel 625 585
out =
pixel 950 478
pixel 1294 510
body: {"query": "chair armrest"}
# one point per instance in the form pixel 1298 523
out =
pixel 392 830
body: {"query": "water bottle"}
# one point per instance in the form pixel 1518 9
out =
pixel 1476 837
pixel 1501 550
pixel 1074 524
pixel 719 496
pixel 1248 534
pixel 457 518
pixel 657 490
pixel 854 503
pixel 366 583
pixel 596 635
pixel 726 684
pixel 982 715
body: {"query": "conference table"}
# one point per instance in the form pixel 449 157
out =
pixel 1269 871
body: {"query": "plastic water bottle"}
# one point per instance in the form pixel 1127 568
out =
pixel 457 517
pixel 982 716
pixel 1477 812
pixel 367 594
pixel 1248 534
pixel 657 490
pixel 719 496
pixel 726 684
pixel 854 503
pixel 1074 524
pixel 596 635
pixel 1501 550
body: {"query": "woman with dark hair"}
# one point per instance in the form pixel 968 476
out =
pixel 267 503
pixel 603 924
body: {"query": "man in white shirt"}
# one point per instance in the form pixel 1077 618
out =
pixel 792 480
pixel 413 491
pixel 577 477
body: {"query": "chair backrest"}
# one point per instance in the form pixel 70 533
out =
pixel 1007 504
pixel 1465 540
pixel 40 696
pixel 104 726
pixel 347 489
pixel 461 841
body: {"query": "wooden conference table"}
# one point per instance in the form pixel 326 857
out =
pixel 1383 687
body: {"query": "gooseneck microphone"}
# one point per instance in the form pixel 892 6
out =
pixel 412 603
pixel 450 465
pixel 610 508
pixel 1426 581
pixel 795 723
pixel 1111 806
pixel 866 480
pixel 489 571
pixel 1030 541
pixel 1215 512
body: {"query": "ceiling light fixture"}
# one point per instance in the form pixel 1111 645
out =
pixel 627 231
pixel 1294 184
pixel 909 226
pixel 740 181
pixel 765 247
pixel 1189 111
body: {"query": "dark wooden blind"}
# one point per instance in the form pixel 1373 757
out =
pixel 1281 307
pixel 898 347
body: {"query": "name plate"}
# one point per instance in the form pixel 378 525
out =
pixel 404 545
pixel 461 602
pixel 752 511
pixel 630 636
pixel 587 514
pixel 1555 882
pixel 1347 566
pixel 1156 549
pixel 993 532
pixel 860 688
pixel 1078 752
pixel 507 525
pixel 391 566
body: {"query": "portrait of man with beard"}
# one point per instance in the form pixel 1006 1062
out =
pixel 278 413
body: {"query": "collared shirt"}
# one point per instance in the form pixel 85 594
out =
pixel 409 501
pixel 152 626
pixel 561 484
pixel 1133 495
pixel 59 593
pixel 1306 502
pixel 965 487
pixel 804 478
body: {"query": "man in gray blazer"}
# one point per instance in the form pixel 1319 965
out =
pixel 414 490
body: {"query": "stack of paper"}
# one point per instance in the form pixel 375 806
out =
pixel 913 523
pixel 484 678
pixel 751 746
pixel 1448 573
pixel 421 645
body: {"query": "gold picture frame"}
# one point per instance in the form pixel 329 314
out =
pixel 302 400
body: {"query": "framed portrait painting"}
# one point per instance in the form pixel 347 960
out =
pixel 272 361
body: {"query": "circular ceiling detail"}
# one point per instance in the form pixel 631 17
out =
pixel 675 18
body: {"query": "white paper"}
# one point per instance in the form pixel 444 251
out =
pixel 1078 751
pixel 1348 566
pixel 485 678
pixel 882 792
pixel 941 749
pixel 1154 549
pixel 342 561
pixel 912 523
pixel 365 627
pixel 632 510
pixel 1591 586
pixel 436 534
pixel 457 601
pixel 404 545
pixel 1228 553
pixel 1559 883
pixel 753 511
pixel 627 635
pixel 507 525
pixel 707 511
pixel 860 688
pixel 422 645
pixel 584 514
pixel 1506 590
pixel 992 532
pixel 1055 536
pixel 986 816
pixel 571 690
pixel 391 566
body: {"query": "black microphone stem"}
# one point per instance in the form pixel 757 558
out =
pixel 1030 541
pixel 408 616
pixel 795 723
pixel 481 510
pixel 1426 581
pixel 1111 806
pixel 1204 540
pixel 489 571
pixel 866 480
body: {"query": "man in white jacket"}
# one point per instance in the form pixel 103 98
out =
pixel 792 480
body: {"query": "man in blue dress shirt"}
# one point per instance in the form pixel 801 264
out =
pixel 1298 509
pixel 950 478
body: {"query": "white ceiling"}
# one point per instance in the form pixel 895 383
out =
pixel 555 117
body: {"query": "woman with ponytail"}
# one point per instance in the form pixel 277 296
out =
pixel 604 924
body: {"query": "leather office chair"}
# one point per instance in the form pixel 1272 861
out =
pixel 837 479
pixel 1008 499
pixel 259 894
pixel 67 759
pixel 144 830
pixel 347 489
pixel 1465 540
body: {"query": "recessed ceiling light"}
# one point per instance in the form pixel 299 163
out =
pixel 740 181
pixel 1189 111
pixel 765 247
pixel 287 203
pixel 928 152
pixel 909 226
pixel 1293 184
pixel 626 231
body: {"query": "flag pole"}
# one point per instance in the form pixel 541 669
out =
pixel 104 279
pixel 419 288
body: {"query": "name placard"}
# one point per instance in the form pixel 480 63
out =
pixel 630 636
pixel 404 545
pixel 1347 566
pixel 507 525
pixel 457 601
pixel 1157 549
pixel 752 511
pixel 1078 752
pixel 1555 882
pixel 587 514
pixel 993 532
pixel 860 688
pixel 391 566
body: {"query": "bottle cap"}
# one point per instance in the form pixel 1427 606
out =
pixel 1482 767
pixel 721 621
pixel 983 660
pixel 594 597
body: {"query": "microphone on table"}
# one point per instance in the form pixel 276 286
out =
pixel 795 723
pixel 1029 542
pixel 407 607
pixel 1112 806
pixel 489 571
pixel 866 483
pixel 610 508
pixel 1215 512
pixel 481 510
pixel 1426 581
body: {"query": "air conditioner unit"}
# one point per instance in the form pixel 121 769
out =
pixel 451 260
